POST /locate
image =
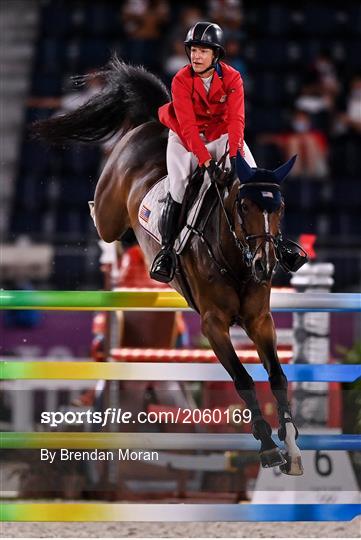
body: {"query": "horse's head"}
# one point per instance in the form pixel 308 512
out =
pixel 260 209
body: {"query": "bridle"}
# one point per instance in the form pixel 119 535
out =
pixel 267 237
pixel 243 245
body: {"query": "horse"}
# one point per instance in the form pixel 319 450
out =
pixel 225 271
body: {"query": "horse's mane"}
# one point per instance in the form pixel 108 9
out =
pixel 130 97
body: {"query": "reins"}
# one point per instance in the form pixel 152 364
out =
pixel 243 247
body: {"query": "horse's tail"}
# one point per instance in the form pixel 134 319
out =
pixel 130 97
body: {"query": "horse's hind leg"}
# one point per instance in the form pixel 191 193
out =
pixel 216 329
pixel 261 331
pixel 110 212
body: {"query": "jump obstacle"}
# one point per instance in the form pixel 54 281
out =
pixel 142 371
pixel 169 300
pixel 177 512
pixel 154 300
pixel 169 441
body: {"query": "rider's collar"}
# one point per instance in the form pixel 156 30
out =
pixel 218 70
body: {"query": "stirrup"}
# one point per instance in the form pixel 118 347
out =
pixel 164 265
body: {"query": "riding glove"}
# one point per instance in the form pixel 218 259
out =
pixel 215 173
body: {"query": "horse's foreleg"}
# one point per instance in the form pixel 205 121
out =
pixel 216 329
pixel 261 330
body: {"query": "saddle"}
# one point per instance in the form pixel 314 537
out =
pixel 151 207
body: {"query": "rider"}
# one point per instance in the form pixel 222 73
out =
pixel 205 120
pixel 206 113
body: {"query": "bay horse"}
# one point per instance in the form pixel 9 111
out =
pixel 227 268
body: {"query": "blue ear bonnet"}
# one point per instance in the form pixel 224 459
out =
pixel 268 198
pixel 266 194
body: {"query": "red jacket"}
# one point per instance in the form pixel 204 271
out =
pixel 192 111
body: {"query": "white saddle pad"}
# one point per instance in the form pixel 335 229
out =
pixel 151 206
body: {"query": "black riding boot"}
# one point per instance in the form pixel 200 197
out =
pixel 291 256
pixel 165 261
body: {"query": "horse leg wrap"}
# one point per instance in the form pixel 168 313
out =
pixel 285 417
pixel 288 433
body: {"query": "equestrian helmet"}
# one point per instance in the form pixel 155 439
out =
pixel 207 34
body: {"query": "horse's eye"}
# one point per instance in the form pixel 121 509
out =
pixel 244 207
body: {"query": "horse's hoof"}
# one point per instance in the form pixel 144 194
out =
pixel 272 458
pixel 293 466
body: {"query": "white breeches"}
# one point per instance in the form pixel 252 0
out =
pixel 181 163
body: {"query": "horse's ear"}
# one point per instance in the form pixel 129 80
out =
pixel 244 171
pixel 281 172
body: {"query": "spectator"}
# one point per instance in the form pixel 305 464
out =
pixel 345 157
pixel 143 22
pixel 234 58
pixel 317 105
pixel 319 91
pixel 187 17
pixel 228 14
pixel 352 116
pixel 323 75
pixel 176 60
pixel 302 139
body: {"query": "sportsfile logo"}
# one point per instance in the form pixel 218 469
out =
pixel 172 415
pixel 109 416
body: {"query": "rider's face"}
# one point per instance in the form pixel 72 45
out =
pixel 201 58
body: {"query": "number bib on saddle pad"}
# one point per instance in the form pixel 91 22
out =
pixel 151 207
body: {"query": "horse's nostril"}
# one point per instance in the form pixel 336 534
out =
pixel 260 271
pixel 259 266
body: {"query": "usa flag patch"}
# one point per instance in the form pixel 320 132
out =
pixel 144 213
pixel 267 194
